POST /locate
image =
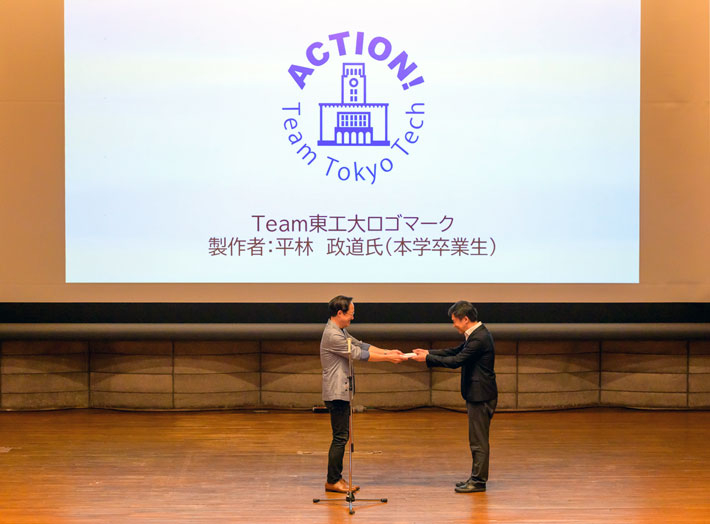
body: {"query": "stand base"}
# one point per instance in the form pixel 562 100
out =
pixel 349 498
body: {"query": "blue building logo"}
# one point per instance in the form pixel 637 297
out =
pixel 353 121
pixel 358 140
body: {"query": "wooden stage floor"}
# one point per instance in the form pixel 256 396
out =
pixel 596 465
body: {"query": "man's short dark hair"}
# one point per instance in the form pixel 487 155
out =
pixel 462 308
pixel 339 303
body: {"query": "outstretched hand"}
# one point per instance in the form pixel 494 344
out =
pixel 420 355
pixel 396 356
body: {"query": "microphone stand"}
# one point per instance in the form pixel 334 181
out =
pixel 350 496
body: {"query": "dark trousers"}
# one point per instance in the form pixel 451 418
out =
pixel 340 424
pixel 479 423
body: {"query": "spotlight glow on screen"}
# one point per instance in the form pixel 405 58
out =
pixel 455 141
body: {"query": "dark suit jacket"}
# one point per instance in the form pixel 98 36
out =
pixel 476 358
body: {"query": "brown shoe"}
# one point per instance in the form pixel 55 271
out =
pixel 339 487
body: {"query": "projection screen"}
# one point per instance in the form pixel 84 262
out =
pixel 514 151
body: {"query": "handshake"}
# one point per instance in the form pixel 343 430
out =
pixel 396 356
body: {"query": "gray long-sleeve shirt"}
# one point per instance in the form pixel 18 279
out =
pixel 334 359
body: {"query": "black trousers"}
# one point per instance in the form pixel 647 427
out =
pixel 340 424
pixel 479 423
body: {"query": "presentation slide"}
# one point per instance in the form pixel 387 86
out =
pixel 220 141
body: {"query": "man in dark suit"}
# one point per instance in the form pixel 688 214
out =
pixel 476 358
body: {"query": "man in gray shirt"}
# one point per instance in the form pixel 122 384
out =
pixel 336 386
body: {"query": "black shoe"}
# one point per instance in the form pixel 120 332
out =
pixel 471 487
pixel 464 482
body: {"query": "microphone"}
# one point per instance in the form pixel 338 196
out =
pixel 350 344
